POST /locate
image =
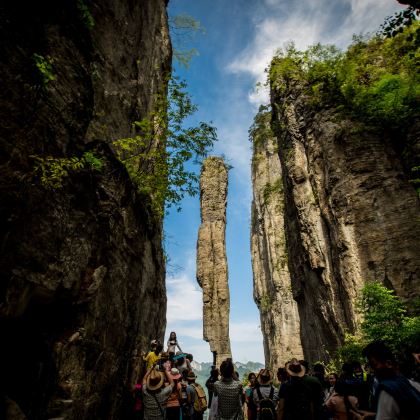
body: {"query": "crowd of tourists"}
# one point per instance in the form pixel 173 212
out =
pixel 299 392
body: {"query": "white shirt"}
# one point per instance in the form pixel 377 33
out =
pixel 388 408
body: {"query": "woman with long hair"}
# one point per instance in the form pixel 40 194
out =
pixel 172 345
pixel 341 405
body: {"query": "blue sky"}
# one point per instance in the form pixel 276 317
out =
pixel 241 37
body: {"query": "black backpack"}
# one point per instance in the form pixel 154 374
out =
pixel 267 406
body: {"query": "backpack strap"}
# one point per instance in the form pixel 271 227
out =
pixel 271 396
pixel 160 408
pixel 260 397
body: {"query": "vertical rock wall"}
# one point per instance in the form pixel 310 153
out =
pixel 351 216
pixel 212 272
pixel 272 283
pixel 82 269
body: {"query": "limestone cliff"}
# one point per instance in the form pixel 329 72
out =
pixel 212 273
pixel 350 216
pixel 272 283
pixel 82 269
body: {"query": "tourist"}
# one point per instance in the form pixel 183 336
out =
pixel 397 396
pixel 214 377
pixel 172 345
pixel 153 355
pixel 182 364
pixel 319 373
pixel 249 396
pixel 316 388
pixel 200 401
pixel 187 397
pixel 341 405
pixel 155 394
pixel 361 386
pixel 230 394
pixel 282 375
pixel 265 395
pixel 332 380
pixel 173 407
pixel 295 397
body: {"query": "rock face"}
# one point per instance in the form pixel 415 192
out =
pixel 212 273
pixel 82 269
pixel 350 217
pixel 272 283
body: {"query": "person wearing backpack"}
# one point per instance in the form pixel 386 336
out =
pixel 249 396
pixel 186 400
pixel 173 407
pixel 295 396
pixel 398 398
pixel 200 400
pixel 265 396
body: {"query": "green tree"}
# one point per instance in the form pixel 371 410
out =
pixel 159 157
pixel 184 29
pixel 385 318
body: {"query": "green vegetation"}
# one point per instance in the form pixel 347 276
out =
pixel 385 318
pixel 265 303
pixel 44 66
pixel 261 129
pixel 85 14
pixel 184 29
pixel 162 172
pixel 375 81
pixel 270 189
pixel 52 171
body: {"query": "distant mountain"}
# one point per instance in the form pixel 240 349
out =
pixel 202 370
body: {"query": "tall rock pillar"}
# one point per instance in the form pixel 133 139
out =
pixel 279 314
pixel 212 273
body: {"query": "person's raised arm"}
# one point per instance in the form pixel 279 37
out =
pixel 147 375
pixel 169 378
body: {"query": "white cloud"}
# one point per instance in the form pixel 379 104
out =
pixel 305 23
pixel 184 294
pixel 246 341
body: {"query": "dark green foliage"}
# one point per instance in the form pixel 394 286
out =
pixel 85 14
pixel 260 129
pixel 163 172
pixel 415 178
pixel 52 171
pixel 376 81
pixel 385 318
pixel 44 66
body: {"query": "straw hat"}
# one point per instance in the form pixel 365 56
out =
pixel 294 368
pixel 191 376
pixel 155 380
pixel 265 377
